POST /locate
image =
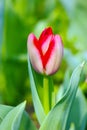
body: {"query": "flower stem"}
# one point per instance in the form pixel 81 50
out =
pixel 46 100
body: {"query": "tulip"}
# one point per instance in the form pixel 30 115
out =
pixel 46 52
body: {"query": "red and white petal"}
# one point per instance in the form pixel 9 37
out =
pixel 46 44
pixel 34 54
pixel 55 57
pixel 45 33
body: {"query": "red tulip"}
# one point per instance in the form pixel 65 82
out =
pixel 46 52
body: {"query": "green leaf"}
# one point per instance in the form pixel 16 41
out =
pixel 63 88
pixel 4 110
pixel 13 118
pixel 78 114
pixel 36 100
pixel 77 120
pixel 26 123
pixel 58 117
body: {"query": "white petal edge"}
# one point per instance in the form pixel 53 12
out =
pixel 46 43
pixel 34 54
pixel 56 56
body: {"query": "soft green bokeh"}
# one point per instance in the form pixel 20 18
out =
pixel 18 18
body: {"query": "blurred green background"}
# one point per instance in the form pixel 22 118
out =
pixel 18 18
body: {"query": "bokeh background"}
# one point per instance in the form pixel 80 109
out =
pixel 18 18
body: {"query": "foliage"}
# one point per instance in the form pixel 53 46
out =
pixel 61 116
pixel 20 17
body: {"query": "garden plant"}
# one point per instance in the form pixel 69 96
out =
pixel 43 65
pixel 63 110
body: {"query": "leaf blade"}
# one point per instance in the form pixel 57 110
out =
pixel 57 119
pixel 13 118
pixel 36 100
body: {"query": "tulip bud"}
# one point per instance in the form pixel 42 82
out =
pixel 46 52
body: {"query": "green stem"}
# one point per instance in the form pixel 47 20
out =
pixel 53 100
pixel 46 100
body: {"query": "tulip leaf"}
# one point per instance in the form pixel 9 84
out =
pixel 57 118
pixel 13 117
pixel 76 121
pixel 36 100
pixel 78 114
pixel 25 124
pixel 79 119
pixel 4 110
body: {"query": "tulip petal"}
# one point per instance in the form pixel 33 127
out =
pixel 44 35
pixel 46 53
pixel 55 57
pixel 34 54
pixel 46 44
